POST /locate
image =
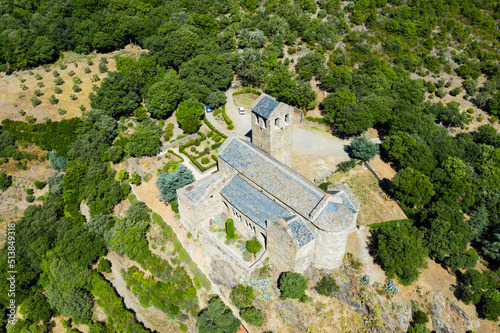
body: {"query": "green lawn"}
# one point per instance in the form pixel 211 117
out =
pixel 245 101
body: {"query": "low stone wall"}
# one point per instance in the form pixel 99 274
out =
pixel 179 142
pixel 313 123
pixel 298 116
pixel 373 171
pixel 252 96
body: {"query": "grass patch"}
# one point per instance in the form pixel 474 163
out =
pixel 132 198
pixel 394 223
pixel 147 177
pixel 245 101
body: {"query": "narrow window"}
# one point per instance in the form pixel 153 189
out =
pixel 277 122
pixel 256 119
pixel 287 118
pixel 263 123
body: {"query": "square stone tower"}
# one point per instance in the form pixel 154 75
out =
pixel 272 129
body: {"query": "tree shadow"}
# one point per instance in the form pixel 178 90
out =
pixel 386 185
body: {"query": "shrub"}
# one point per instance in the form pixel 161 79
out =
pixel 431 88
pixel 205 160
pixel 94 78
pixel 29 191
pixel 230 229
pixel 53 100
pixel 102 68
pixel 37 92
pixel 77 80
pixel 253 245
pixel 57 162
pixel 35 101
pixel 292 285
pixel 76 88
pixel 71 73
pixel 82 107
pixel 230 127
pixel 23 86
pixel 21 79
pixel 87 70
pixel 40 84
pixel 89 62
pixel 58 81
pixel 103 60
pixel 242 296
pixel 61 111
pixel 5 181
pixel 419 317
pixel 363 149
pixel 327 286
pixel 55 73
pixel 57 90
pixel 136 178
pixel 30 198
pixel 253 316
pixel 63 65
pixel 30 119
pixel 73 97
pixel 40 184
pixel 193 149
pixel 38 76
pixel 104 266
pixel 175 205
pixel 455 91
pixel 440 93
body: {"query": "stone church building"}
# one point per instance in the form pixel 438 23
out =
pixel 297 223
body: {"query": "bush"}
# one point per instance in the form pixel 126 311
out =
pixel 57 90
pixel 292 285
pixel 455 91
pixel 61 111
pixel 76 88
pixel 38 76
pixel 71 73
pixel 230 229
pixel 136 178
pixel 327 286
pixel 440 93
pixel 253 316
pixel 230 127
pixel 77 80
pixel 175 206
pixel 35 101
pixel 87 70
pixel 5 181
pixel 30 119
pixel 58 81
pixel 104 266
pixel 89 62
pixel 55 73
pixel 73 97
pixel 253 245
pixel 363 149
pixel 40 84
pixel 242 296
pixel 193 149
pixel 205 160
pixel 419 317
pixel 102 68
pixel 57 162
pixel 29 191
pixel 53 100
pixel 30 198
pixel 23 86
pixel 346 166
pixel 94 78
pixel 40 184
pixel 37 92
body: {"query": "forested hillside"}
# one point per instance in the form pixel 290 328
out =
pixel 359 64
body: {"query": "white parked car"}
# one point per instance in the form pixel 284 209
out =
pixel 241 110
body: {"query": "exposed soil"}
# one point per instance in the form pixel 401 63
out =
pixel 11 103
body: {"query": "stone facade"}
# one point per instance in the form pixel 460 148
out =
pixel 297 223
pixel 272 128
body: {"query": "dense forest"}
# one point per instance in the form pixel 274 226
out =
pixel 361 54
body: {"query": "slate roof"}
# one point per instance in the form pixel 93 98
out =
pixel 265 106
pixel 274 177
pixel 251 202
pixel 336 189
pixel 334 217
pixel 300 230
pixel 196 191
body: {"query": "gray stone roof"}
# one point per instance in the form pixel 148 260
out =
pixel 334 217
pixel 274 177
pixel 252 203
pixel 336 189
pixel 196 191
pixel 300 230
pixel 265 105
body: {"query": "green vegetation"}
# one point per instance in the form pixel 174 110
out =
pixel 217 317
pixel 401 252
pixel 253 245
pixel 363 149
pixel 327 286
pixel 230 229
pixel 145 140
pixel 293 285
pixel 169 182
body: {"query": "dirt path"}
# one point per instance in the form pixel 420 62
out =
pixel 357 244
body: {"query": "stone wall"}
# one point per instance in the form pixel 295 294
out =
pixel 275 134
pixel 192 213
pixel 330 248
pixel 280 245
pixel 244 226
pixel 179 142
